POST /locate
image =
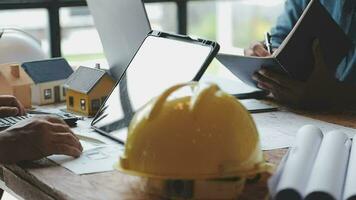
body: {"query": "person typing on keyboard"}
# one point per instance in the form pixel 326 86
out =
pixel 10 106
pixel 34 138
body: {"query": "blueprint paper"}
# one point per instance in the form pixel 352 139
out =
pixel 278 129
pixel 94 159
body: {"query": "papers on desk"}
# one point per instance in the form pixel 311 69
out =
pixel 318 166
pixel 278 129
pixel 231 86
pixel 99 153
pixel 95 158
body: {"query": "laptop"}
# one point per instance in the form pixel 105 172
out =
pixel 144 62
pixel 163 60
pixel 122 26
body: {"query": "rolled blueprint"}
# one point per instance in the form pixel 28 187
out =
pixel 329 171
pixel 299 164
pixel 350 183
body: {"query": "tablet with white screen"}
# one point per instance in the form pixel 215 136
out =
pixel 162 60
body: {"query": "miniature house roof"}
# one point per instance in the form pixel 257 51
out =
pixel 84 79
pixel 7 76
pixel 48 70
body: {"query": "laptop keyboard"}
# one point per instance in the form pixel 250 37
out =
pixel 7 122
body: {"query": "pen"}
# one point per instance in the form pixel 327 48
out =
pixel 268 42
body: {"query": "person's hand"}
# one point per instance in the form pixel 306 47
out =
pixel 321 89
pixel 257 49
pixel 10 106
pixel 36 138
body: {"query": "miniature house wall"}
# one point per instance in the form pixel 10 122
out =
pixel 15 81
pixel 48 93
pixel 85 95
pixel 49 77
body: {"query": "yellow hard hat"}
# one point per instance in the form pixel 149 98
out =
pixel 204 135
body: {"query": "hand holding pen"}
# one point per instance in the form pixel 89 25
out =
pixel 261 48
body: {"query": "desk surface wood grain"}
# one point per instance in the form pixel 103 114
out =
pixel 45 180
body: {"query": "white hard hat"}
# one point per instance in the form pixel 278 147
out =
pixel 17 46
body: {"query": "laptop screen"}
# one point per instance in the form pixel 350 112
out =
pixel 122 26
pixel 159 63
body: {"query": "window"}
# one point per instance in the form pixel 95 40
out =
pixel 71 101
pixel 48 94
pixel 163 16
pixel 95 104
pixel 64 91
pixel 103 99
pixel 82 104
pixel 32 21
pixel 80 39
pixel 233 24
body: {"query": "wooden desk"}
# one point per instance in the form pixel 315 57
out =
pixel 45 180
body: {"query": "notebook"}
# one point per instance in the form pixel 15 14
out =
pixel 295 55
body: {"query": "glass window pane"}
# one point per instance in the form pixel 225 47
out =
pixel 81 41
pixel 82 104
pixel 95 104
pixel 162 16
pixel 233 24
pixel 48 93
pixel 252 18
pixel 32 21
pixel 202 19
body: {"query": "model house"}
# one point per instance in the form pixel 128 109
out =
pixel 15 81
pixel 48 77
pixel 87 89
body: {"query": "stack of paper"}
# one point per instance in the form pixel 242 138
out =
pixel 317 167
